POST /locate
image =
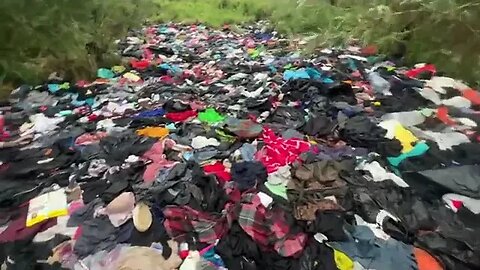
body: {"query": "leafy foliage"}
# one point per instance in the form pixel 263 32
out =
pixel 74 37
pixel 443 32
pixel 213 12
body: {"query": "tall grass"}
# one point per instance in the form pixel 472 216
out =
pixel 76 37
pixel 72 37
pixel 213 12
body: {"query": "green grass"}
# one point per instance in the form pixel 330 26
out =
pixel 39 37
pixel 212 12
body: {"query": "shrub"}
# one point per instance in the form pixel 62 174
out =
pixel 74 37
pixel 443 32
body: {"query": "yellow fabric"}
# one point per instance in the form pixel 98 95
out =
pixel 131 77
pixel 405 137
pixel 46 206
pixel 118 69
pixel 153 132
pixel 397 131
pixel 342 261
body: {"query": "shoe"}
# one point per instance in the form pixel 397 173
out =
pixel 142 217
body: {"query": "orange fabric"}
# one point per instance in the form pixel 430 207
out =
pixel 472 95
pixel 442 115
pixel 153 132
pixel 426 261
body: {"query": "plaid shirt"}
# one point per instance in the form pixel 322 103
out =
pixel 183 221
pixel 268 227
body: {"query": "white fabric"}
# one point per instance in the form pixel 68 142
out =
pixel 410 118
pixel 458 102
pixel 356 57
pixel 119 108
pixel 261 76
pixel 389 126
pixel 440 83
pixel 43 124
pixel 194 262
pixel 430 94
pixel 60 228
pixel 106 124
pixel 281 176
pixel 265 199
pixel 376 228
pixel 379 173
pixel 466 121
pixel 253 94
pixel 237 76
pixel 444 140
pixel 201 141
pixel 470 203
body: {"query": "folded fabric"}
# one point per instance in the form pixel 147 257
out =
pixel 281 177
pixel 159 161
pixel 462 180
pixel 151 113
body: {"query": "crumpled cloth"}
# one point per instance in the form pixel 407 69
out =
pixel 278 151
pixel 158 158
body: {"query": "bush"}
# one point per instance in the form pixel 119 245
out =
pixel 213 12
pixel 73 37
pixel 443 32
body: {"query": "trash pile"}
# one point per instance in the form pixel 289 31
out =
pixel 227 149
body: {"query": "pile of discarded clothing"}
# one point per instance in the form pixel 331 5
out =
pixel 228 149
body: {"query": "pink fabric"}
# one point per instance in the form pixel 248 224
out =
pixel 159 160
pixel 278 151
pixel 88 138
pixel 3 134
pixel 74 206
pixel 457 204
pixel 78 233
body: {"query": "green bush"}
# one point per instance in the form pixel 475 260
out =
pixel 72 37
pixel 212 12
pixel 75 37
pixel 443 32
